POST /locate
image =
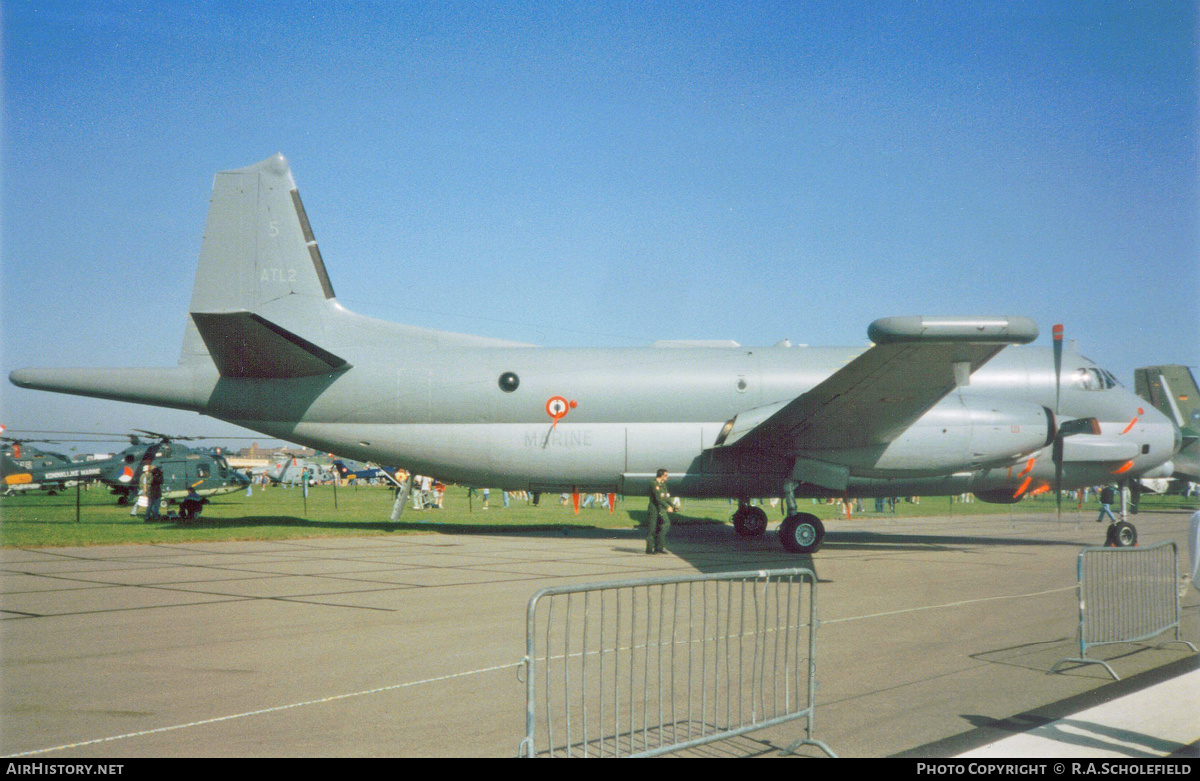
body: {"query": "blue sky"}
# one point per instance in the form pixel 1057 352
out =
pixel 577 174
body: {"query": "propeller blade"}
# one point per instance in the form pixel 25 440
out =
pixel 1058 473
pixel 1057 452
pixel 1079 426
pixel 1058 352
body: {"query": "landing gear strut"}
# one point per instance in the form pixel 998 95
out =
pixel 1122 534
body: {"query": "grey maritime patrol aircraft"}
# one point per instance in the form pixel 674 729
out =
pixel 935 406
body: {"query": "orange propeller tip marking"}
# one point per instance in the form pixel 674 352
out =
pixel 1028 467
pixel 1123 468
pixel 1041 489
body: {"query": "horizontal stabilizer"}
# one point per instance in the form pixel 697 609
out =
pixel 243 344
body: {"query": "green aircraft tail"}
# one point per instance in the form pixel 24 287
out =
pixel 1173 391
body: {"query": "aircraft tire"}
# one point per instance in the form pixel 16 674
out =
pixel 1122 535
pixel 750 521
pixel 801 533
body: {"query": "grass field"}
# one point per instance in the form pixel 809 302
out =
pixel 36 520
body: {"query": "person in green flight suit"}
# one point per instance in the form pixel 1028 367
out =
pixel 657 522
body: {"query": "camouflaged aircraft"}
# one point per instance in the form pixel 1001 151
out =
pixel 936 406
pixel 1173 391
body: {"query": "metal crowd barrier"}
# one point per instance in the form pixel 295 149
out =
pixel 1126 595
pixel 648 667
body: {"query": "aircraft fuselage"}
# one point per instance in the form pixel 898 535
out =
pixel 631 411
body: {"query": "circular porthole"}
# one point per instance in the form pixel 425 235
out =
pixel 509 382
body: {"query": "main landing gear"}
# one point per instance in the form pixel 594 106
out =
pixel 799 532
pixel 749 521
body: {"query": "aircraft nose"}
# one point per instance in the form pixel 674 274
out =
pixel 1165 434
pixel 1163 423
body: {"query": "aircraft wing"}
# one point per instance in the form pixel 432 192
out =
pixel 913 364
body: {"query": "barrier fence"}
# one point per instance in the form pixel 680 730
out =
pixel 1126 595
pixel 648 667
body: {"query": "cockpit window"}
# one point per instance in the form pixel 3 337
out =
pixel 1094 379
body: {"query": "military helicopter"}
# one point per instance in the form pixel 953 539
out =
pixel 350 471
pixel 18 459
pixel 185 470
pixel 290 470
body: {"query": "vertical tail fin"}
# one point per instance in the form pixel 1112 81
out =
pixel 1173 391
pixel 259 255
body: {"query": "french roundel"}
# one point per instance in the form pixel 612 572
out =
pixel 556 407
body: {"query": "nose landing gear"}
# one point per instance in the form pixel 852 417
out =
pixel 1121 534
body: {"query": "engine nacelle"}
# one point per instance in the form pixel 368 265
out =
pixel 965 434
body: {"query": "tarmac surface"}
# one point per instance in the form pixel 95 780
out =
pixel 936 639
